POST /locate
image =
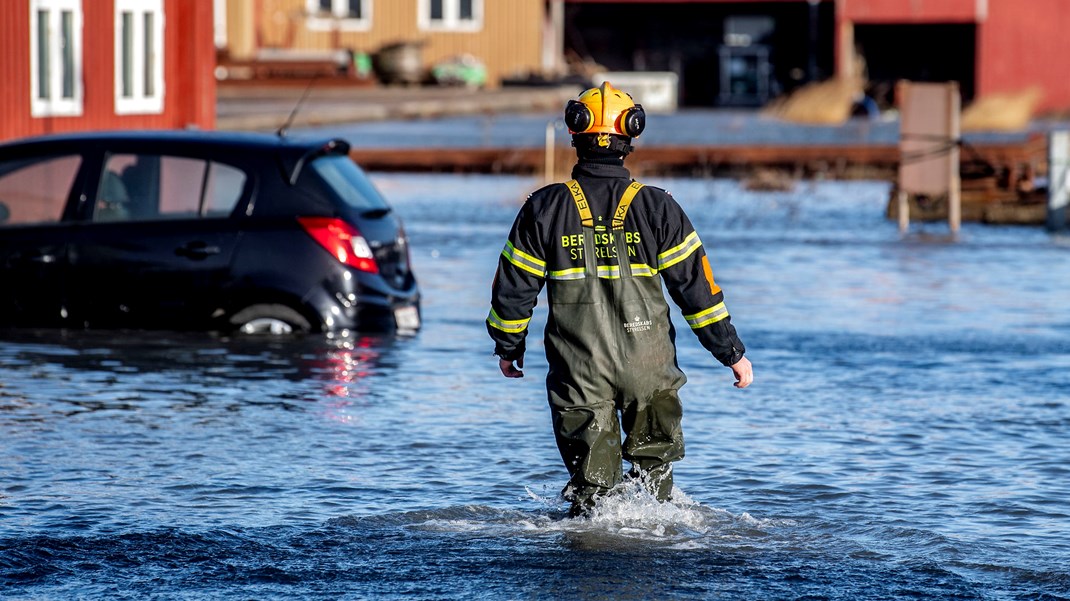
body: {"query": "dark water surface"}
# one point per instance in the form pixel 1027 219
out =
pixel 906 436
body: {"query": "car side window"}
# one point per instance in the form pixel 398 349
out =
pixel 35 190
pixel 223 189
pixel 158 187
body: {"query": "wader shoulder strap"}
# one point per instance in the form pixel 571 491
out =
pixel 625 202
pixel 624 262
pixel 581 203
pixel 587 221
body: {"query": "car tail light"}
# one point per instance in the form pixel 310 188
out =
pixel 342 240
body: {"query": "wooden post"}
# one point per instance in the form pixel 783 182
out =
pixel 1058 180
pixel 929 147
pixel 903 211
pixel 551 150
pixel 553 39
pixel 954 183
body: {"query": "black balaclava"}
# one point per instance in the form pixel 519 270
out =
pixel 589 150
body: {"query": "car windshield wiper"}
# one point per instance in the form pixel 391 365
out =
pixel 375 213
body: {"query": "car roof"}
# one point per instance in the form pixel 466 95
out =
pixel 175 139
pixel 291 153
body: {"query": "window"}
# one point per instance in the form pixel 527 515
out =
pixel 222 190
pixel 346 15
pixel 138 56
pixel 55 57
pixel 36 190
pixel 154 187
pixel 349 183
pixel 450 15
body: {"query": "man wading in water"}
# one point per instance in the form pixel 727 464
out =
pixel 603 243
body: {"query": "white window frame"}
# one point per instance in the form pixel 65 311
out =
pixel 219 22
pixel 56 104
pixel 140 102
pixel 338 19
pixel 451 16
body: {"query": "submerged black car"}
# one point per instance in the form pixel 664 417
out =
pixel 198 230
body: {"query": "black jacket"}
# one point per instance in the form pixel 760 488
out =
pixel 545 244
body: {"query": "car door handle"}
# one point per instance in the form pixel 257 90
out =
pixel 45 258
pixel 196 250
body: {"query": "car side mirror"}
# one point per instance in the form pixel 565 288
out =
pixel 5 213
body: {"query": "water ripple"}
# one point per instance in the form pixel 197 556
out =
pixel 904 438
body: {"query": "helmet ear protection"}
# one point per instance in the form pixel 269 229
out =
pixel 633 121
pixel 579 119
pixel 628 118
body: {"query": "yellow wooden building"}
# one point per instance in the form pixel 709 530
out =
pixel 507 36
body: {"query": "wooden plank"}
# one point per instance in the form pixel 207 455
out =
pixel 830 158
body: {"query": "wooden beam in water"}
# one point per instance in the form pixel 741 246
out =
pixel 827 160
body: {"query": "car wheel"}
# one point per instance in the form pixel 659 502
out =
pixel 269 319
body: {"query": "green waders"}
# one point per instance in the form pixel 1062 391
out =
pixel 609 343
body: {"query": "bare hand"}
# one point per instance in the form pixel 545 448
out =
pixel 744 373
pixel 508 370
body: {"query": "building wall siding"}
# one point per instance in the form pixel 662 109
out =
pixel 189 93
pixel 509 42
pixel 15 65
pixel 1022 44
pixel 912 11
pixel 190 66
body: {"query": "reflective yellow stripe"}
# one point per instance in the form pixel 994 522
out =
pixel 509 326
pixel 642 269
pixel 575 273
pixel 612 272
pixel 625 202
pixel 523 260
pixel 704 318
pixel 581 203
pixel 680 252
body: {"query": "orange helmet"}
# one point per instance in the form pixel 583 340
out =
pixel 605 110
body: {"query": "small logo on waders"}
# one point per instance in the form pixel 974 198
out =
pixel 637 325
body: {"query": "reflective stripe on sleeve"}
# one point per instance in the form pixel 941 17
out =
pixel 523 260
pixel 509 326
pixel 680 252
pixel 704 318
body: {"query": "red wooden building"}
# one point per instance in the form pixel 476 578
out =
pixel 1002 46
pixel 72 65
pixel 749 51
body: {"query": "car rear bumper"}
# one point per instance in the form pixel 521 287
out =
pixel 363 303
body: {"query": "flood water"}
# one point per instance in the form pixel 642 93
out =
pixel 905 437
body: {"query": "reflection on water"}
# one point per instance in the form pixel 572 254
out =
pixel 904 437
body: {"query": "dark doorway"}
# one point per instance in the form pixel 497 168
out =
pixel 932 53
pixel 698 40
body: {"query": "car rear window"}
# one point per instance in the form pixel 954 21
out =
pixel 35 190
pixel 349 183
